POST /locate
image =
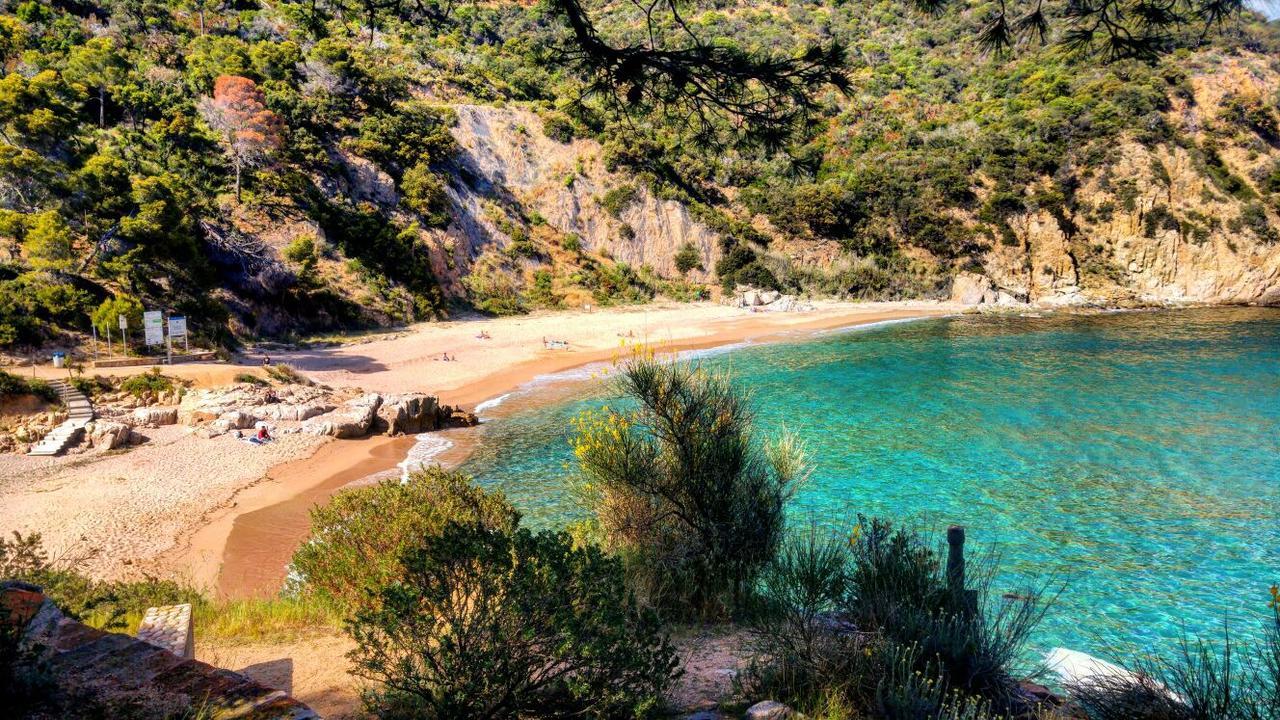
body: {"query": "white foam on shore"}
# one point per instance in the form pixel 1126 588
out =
pixel 877 324
pixel 712 351
pixel 427 448
pixel 492 402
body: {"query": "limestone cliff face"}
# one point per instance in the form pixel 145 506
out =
pixel 1152 225
pixel 508 168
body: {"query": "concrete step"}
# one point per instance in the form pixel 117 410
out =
pixel 59 438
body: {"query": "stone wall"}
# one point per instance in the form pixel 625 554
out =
pixel 92 673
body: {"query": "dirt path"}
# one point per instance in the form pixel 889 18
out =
pixel 316 671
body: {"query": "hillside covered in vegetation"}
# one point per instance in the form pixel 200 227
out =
pixel 288 167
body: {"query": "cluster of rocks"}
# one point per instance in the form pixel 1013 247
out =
pixel 767 300
pixel 19 431
pixel 307 409
pixel 123 399
pixel 973 289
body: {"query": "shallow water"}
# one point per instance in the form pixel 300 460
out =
pixel 1134 457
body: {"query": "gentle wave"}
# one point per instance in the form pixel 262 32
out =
pixel 427 448
pixel 492 403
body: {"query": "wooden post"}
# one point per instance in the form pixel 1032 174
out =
pixel 966 600
pixel 955 560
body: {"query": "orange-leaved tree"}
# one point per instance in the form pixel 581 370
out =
pixel 237 111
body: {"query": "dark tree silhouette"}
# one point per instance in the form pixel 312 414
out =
pixel 1111 29
pixel 726 95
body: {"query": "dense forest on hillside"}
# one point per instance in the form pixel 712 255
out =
pixel 208 157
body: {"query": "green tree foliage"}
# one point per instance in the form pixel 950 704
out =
pixel 502 623
pixel 409 134
pixel 682 488
pixel 48 243
pixel 99 66
pixel 107 315
pixel 100 123
pixel 357 539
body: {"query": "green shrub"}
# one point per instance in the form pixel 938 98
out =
pixel 1223 682
pixel 558 127
pixel 618 199
pixel 283 374
pixel 91 387
pixel 301 251
pixel 150 383
pixel 357 539
pixel 107 316
pixel 571 242
pixel 1254 217
pixel 542 293
pixel 251 379
pixel 618 283
pixel 493 285
pixel 683 490
pixel 424 193
pixel 501 623
pixel 687 258
pixel 11 385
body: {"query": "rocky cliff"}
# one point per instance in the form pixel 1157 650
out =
pixel 1187 220
pixel 508 171
pixel 1175 223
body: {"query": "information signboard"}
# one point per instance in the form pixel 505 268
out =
pixel 177 327
pixel 153 324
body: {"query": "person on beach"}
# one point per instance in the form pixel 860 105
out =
pixel 266 360
pixel 263 435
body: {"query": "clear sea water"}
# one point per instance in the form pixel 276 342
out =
pixel 1133 457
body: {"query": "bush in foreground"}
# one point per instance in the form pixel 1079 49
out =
pixel 681 488
pixel 874 625
pixel 500 623
pixel 357 540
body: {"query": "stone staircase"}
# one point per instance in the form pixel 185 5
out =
pixel 79 413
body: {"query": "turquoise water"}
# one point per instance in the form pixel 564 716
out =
pixel 1134 457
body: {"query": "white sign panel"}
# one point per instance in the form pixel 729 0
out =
pixel 124 323
pixel 177 327
pixel 153 324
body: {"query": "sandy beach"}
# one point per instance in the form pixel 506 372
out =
pixel 226 515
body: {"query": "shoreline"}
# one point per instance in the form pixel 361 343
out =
pixel 257 527
pixel 243 551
